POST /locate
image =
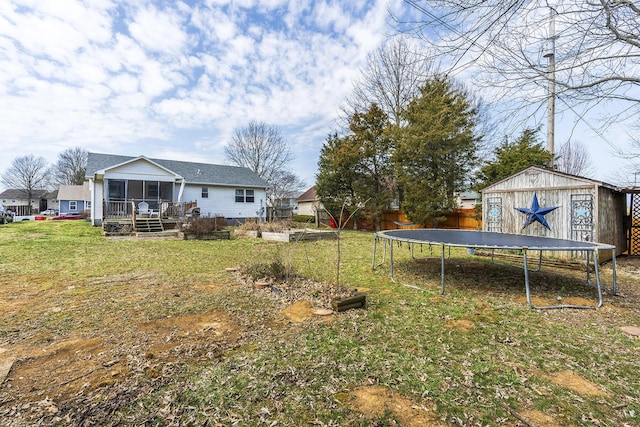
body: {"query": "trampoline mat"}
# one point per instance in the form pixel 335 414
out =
pixel 486 239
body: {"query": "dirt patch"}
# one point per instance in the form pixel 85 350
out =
pixel 575 382
pixel 299 311
pixel 460 324
pixel 375 402
pixel 68 369
pixel 537 418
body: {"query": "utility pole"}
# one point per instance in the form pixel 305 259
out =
pixel 550 53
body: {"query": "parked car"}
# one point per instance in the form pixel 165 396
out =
pixel 49 212
pixel 70 215
pixel 5 215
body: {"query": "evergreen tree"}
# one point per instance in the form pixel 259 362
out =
pixel 374 175
pixel 435 150
pixel 357 167
pixel 511 157
pixel 336 173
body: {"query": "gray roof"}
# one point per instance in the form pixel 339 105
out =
pixel 193 173
pixel 14 193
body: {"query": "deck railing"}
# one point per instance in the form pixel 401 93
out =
pixel 127 209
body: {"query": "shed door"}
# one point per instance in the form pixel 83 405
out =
pixel 634 231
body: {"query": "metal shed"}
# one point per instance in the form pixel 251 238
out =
pixel 587 210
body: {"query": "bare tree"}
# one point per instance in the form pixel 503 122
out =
pixel 285 185
pixel 573 158
pixel 596 48
pixel 391 78
pixel 26 174
pixel 70 169
pixel 261 148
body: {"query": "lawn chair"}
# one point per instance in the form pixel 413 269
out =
pixel 143 210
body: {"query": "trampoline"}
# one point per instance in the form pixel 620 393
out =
pixel 494 241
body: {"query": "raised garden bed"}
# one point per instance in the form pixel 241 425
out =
pixel 295 235
pixel 213 235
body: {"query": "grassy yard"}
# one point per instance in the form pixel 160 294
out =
pixel 98 331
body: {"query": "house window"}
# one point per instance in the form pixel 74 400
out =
pixel 245 196
pixel 73 205
pixel 87 204
pixel 205 192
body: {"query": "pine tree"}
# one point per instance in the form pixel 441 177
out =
pixel 435 150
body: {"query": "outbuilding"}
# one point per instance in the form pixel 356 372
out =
pixel 584 209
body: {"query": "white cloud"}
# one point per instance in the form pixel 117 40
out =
pixel 158 31
pixel 173 79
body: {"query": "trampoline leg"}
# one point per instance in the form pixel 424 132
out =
pixel 588 271
pixel 526 278
pixel 615 278
pixel 391 262
pixel 597 273
pixel 373 258
pixel 442 269
pixel 384 254
pixel 540 262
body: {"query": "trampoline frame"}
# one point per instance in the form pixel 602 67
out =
pixel 489 240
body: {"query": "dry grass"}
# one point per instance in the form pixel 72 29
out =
pixel 95 331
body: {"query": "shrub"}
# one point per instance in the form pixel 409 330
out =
pixel 206 225
pixel 275 269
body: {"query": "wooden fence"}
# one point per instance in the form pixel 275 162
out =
pixel 463 219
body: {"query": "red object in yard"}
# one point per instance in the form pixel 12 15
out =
pixel 332 222
pixel 40 218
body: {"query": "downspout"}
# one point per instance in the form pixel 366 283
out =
pixel 181 191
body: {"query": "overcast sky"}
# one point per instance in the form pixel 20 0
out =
pixel 170 79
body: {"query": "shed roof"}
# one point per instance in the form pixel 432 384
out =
pixel 530 169
pixel 193 173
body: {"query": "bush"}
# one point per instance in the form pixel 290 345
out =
pixel 275 269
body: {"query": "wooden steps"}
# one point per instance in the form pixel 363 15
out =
pixel 148 225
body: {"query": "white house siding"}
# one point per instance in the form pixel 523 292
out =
pixel 221 201
pixel 140 170
pixel 97 195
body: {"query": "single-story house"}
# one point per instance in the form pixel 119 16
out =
pixel 74 198
pixel 18 201
pixel 118 184
pixel 585 209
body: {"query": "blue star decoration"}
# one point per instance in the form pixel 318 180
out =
pixel 536 213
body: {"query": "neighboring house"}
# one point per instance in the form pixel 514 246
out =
pixel 17 201
pixel 74 198
pixel 587 210
pixel 469 199
pixel 53 201
pixel 118 184
pixel 309 203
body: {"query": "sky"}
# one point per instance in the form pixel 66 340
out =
pixel 173 79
